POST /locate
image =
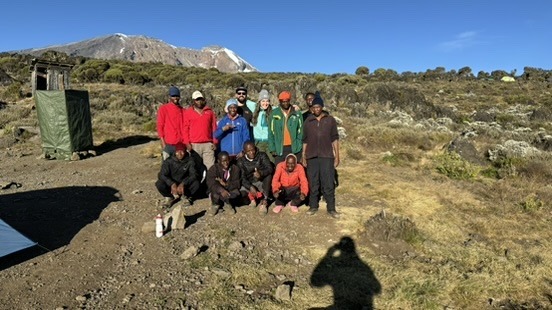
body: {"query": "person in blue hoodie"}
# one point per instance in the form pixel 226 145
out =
pixel 232 130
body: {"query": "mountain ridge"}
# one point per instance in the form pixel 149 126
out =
pixel 140 48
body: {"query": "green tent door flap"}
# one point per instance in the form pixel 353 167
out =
pixel 65 122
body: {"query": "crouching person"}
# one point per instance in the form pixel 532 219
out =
pixel 256 175
pixel 223 183
pixel 178 178
pixel 289 185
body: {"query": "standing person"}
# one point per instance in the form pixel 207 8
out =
pixel 256 175
pixel 199 124
pixel 245 106
pixel 223 182
pixel 260 122
pixel 309 97
pixel 178 178
pixel 321 157
pixel 289 185
pixel 285 133
pixel 169 123
pixel 232 130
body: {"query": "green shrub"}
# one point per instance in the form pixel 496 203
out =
pixel 455 167
pixel 13 92
pixel 531 203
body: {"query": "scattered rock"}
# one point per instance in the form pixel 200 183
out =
pixel 236 246
pixel 136 191
pixel 466 149
pixel 81 298
pixel 175 219
pixel 189 253
pixel 283 292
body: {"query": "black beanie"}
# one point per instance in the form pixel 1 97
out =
pixel 317 99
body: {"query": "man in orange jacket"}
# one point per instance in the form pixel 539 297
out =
pixel 289 184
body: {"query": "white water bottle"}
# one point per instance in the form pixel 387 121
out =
pixel 159 226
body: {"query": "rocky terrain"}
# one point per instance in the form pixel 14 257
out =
pixel 89 215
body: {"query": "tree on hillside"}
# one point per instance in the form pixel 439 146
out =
pixel 362 70
pixel 482 75
pixel 465 73
pixel 498 74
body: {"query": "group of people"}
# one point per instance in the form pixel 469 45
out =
pixel 264 153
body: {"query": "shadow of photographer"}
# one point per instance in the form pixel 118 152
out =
pixel 353 282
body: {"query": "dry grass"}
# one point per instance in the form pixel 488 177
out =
pixel 476 246
pixel 482 238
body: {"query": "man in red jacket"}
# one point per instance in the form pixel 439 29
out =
pixel 197 130
pixel 169 123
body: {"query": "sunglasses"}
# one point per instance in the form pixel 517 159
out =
pixel 241 93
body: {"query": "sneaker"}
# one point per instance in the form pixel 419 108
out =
pixel 253 204
pixel 277 209
pixel 263 208
pixel 333 214
pixel 294 209
pixel 166 202
pixel 214 210
pixel 312 211
pixel 185 202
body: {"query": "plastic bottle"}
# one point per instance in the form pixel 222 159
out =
pixel 159 226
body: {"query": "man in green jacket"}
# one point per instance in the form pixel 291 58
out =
pixel 285 130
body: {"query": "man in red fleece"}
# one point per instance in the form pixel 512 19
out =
pixel 289 184
pixel 169 123
pixel 197 131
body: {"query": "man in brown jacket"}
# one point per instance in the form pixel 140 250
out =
pixel 320 156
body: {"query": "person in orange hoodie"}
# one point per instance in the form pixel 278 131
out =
pixel 289 184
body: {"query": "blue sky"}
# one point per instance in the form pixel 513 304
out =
pixel 293 36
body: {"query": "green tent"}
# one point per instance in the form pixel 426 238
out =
pixel 65 122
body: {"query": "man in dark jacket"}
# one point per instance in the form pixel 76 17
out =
pixel 224 182
pixel 178 178
pixel 256 175
pixel 321 156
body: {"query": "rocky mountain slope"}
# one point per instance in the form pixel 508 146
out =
pixel 145 49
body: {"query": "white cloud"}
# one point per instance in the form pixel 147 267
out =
pixel 461 41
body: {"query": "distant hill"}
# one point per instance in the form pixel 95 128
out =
pixel 144 49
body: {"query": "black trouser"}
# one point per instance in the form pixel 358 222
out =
pixel 190 189
pixel 235 199
pixel 321 175
pixel 289 194
pixel 285 152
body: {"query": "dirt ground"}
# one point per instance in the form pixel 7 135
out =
pixel 88 214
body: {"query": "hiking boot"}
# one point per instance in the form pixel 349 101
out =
pixel 333 214
pixel 253 204
pixel 229 209
pixel 263 207
pixel 277 209
pixel 214 210
pixel 312 211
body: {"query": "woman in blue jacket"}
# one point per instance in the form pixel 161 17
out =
pixel 232 130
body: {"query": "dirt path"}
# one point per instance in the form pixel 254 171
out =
pixel 90 214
